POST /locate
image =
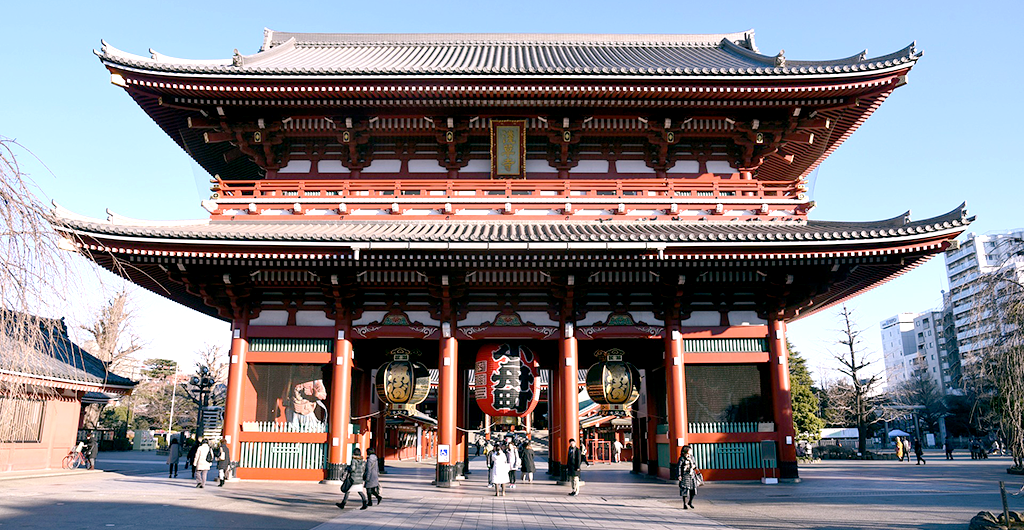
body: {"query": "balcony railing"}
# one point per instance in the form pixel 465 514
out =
pixel 481 189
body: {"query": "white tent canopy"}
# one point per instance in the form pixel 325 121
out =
pixel 897 432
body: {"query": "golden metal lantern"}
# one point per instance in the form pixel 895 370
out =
pixel 613 383
pixel 402 383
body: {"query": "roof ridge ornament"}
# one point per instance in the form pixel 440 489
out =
pixel 236 59
pixel 780 59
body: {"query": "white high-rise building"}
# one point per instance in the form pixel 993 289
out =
pixel 914 345
pixel 898 348
pixel 978 255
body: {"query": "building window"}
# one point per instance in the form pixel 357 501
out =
pixel 26 420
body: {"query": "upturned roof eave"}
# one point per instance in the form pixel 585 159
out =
pixel 851 235
pixel 321 77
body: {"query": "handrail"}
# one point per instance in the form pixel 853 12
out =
pixel 553 189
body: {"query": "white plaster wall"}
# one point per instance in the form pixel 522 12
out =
pixel 703 318
pixel 685 166
pixel 720 166
pixel 594 317
pixel 297 166
pixel 313 318
pixel 745 318
pixel 477 318
pixel 480 166
pixel 426 166
pixel 270 318
pixel 384 166
pixel 331 166
pixel 536 166
pixel 591 166
pixel 369 317
pixel 632 166
pixel 539 318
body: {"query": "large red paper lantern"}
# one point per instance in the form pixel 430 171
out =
pixel 507 382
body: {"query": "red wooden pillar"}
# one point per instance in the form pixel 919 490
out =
pixel 459 455
pixel 652 427
pixel 341 399
pixel 236 381
pixel 782 404
pixel 675 386
pixel 447 398
pixel 554 423
pixel 363 409
pixel 568 362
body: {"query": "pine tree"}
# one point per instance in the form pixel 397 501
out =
pixel 804 401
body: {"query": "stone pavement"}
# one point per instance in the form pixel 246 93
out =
pixel 845 494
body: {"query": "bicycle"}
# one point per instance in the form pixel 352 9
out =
pixel 74 458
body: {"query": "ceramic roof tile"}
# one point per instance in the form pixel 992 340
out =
pixel 511 231
pixel 504 54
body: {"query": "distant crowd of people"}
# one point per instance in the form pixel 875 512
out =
pixel 201 456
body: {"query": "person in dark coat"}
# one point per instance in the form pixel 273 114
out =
pixel 573 460
pixel 372 478
pixel 949 447
pixel 356 470
pixel 92 448
pixel 529 466
pixel 223 458
pixel 192 457
pixel 687 476
pixel 173 456
pixel 919 451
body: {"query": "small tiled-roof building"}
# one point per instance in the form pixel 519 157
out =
pixel 44 380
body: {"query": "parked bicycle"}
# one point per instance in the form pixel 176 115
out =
pixel 75 457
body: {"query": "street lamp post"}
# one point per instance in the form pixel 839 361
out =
pixel 202 383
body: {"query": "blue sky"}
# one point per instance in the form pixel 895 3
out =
pixel 949 136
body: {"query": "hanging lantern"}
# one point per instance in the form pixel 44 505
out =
pixel 506 378
pixel 612 383
pixel 402 383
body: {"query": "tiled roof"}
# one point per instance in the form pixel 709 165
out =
pixel 305 54
pixel 50 354
pixel 720 233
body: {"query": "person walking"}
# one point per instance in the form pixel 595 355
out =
pixel 688 481
pixel 92 448
pixel 192 457
pixel 906 447
pixel 186 451
pixel 354 480
pixel 202 462
pixel 529 466
pixel 372 481
pixel 949 447
pixel 919 451
pixel 899 448
pixel 573 460
pixel 498 470
pixel 514 462
pixel 173 455
pixel 223 463
pixel 617 450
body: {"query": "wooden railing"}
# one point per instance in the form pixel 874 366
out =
pixel 727 427
pixel 703 188
pixel 283 455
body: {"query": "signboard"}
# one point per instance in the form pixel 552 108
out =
pixel 508 149
pixel 889 322
pixel 444 454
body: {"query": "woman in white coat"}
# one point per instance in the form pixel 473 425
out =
pixel 498 473
pixel 202 463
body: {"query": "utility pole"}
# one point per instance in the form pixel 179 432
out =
pixel 174 394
